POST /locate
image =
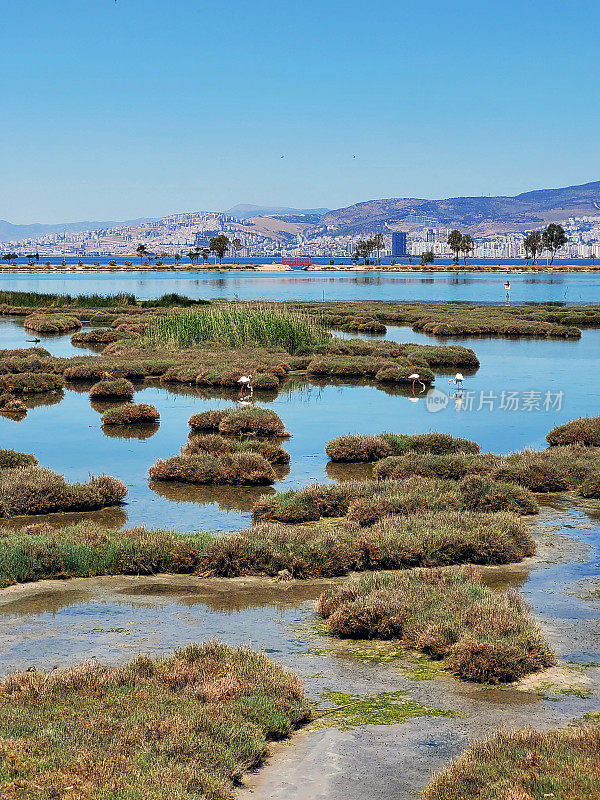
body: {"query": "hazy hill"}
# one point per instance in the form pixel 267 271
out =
pixel 245 211
pixel 10 232
pixel 481 215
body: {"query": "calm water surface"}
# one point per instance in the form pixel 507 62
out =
pixel 299 285
pixel 522 390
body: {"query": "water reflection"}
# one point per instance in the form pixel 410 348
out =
pixel 139 431
pixel 356 285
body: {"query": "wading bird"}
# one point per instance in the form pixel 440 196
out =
pixel 246 384
pixel 416 378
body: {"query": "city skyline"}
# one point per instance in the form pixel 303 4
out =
pixel 137 109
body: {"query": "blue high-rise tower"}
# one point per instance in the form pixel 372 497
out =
pixel 399 249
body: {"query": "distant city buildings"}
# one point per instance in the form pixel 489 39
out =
pixel 177 234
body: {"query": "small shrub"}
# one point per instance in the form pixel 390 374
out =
pixel 217 444
pixel 563 763
pixel 36 490
pixel 369 448
pixel 481 493
pixel 96 336
pixel 240 421
pixel 9 459
pixel 118 387
pixel 591 486
pixel 130 414
pixel 9 404
pixel 29 383
pixel 485 636
pixel 238 469
pixel 584 431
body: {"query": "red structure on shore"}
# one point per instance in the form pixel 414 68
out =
pixel 296 262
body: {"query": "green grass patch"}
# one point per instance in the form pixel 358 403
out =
pixel 186 726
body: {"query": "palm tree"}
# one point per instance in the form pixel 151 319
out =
pixel 142 251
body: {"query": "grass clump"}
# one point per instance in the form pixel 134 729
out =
pixel 214 443
pixel 9 459
pixel 365 502
pixel 51 324
pixel 185 726
pixel 36 490
pixel 584 431
pixel 235 469
pixel 553 470
pixel 434 539
pixel 238 327
pixel 130 414
pixel 97 336
pixel 11 405
pixel 368 448
pixel 525 765
pixel 117 387
pixel 484 636
pixel 30 383
pixel 253 420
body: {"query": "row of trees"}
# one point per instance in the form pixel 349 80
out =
pixel 460 243
pixel 549 240
pixel 218 245
pixel 365 247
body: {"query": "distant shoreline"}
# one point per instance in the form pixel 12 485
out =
pixel 275 267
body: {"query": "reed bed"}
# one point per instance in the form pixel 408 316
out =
pixel 483 636
pixel 238 327
pixel 40 300
pixel 436 539
pixel 525 765
pixel 186 726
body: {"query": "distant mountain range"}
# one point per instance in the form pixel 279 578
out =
pixel 478 215
pixel 481 216
pixel 244 211
pixel 10 232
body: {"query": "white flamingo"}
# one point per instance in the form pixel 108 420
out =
pixel 416 378
pixel 246 384
pixel 457 380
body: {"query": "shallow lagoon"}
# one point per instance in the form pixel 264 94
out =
pixel 299 285
pixel 66 435
pixel 112 619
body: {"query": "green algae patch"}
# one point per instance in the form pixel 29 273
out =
pixel 383 708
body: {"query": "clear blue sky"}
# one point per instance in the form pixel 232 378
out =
pixel 146 107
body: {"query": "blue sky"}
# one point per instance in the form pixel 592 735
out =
pixel 147 107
